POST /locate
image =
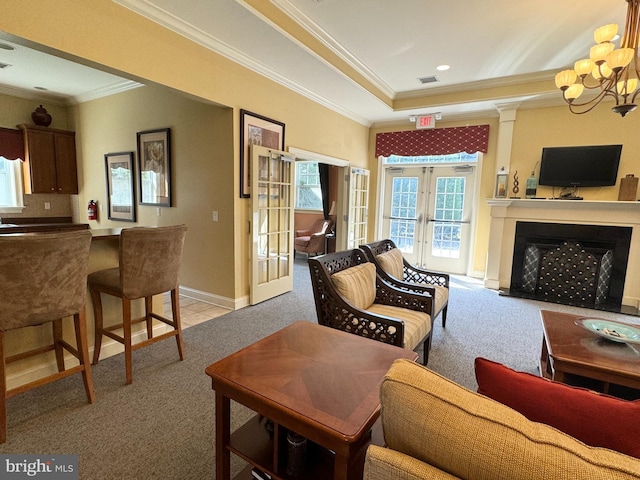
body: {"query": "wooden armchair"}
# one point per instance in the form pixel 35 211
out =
pixel 351 296
pixel 394 269
pixel 313 240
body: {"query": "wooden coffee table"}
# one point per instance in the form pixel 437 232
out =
pixel 316 381
pixel 569 349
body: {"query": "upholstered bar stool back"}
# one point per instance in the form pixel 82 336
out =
pixel 43 279
pixel 149 264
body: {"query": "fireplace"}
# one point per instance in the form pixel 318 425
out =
pixel 573 264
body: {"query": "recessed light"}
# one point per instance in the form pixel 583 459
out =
pixel 4 46
pixel 41 88
pixel 442 68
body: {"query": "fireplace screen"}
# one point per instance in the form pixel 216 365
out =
pixel 582 265
pixel 567 272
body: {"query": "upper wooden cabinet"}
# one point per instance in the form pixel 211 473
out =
pixel 50 163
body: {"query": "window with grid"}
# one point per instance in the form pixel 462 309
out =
pixel 404 202
pixel 10 184
pixel 449 209
pixel 308 191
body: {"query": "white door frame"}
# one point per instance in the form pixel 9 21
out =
pixel 477 198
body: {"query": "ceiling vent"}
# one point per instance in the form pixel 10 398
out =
pixel 4 65
pixel 429 79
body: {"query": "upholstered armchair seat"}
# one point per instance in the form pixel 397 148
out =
pixel 313 240
pixel 392 266
pixel 351 296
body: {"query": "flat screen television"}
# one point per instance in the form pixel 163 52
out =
pixel 583 166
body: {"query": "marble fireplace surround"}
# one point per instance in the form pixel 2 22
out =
pixel 505 214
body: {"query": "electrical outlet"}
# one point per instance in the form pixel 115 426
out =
pixel 47 205
pixel 159 211
pixel 215 215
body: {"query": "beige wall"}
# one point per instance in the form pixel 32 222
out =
pixel 136 49
pixel 112 36
pixel 202 156
pixel 556 126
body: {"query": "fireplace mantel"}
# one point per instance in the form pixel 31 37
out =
pixel 565 204
pixel 506 212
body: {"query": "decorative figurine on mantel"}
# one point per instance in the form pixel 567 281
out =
pixel 516 184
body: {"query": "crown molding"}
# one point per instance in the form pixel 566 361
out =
pixel 106 91
pixel 328 41
pixel 171 22
pixel 478 85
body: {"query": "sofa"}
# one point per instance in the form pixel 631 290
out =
pixel 436 429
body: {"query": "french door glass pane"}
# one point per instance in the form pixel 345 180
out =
pixel 404 199
pixel 449 207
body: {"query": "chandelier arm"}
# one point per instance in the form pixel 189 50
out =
pixel 613 82
pixel 597 99
pixel 571 105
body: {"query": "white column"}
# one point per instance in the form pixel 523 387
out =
pixel 505 135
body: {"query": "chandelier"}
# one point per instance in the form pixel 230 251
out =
pixel 612 71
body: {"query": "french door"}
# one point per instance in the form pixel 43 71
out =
pixel 272 204
pixel 358 207
pixel 427 212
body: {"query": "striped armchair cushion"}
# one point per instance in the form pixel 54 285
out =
pixel 392 263
pixel 357 284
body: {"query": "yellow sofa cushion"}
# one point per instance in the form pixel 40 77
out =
pixel 357 284
pixel 416 324
pixel 464 434
pixel 385 464
pixel 392 263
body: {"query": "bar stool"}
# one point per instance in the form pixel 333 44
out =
pixel 149 264
pixel 43 279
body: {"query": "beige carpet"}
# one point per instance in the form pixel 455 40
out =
pixel 162 426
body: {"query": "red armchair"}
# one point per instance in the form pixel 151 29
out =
pixel 313 240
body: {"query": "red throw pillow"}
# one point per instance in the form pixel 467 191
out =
pixel 596 419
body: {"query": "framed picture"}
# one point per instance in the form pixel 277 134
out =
pixel 154 165
pixel 120 186
pixel 256 130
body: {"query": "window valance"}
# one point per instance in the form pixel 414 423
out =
pixel 437 141
pixel 11 144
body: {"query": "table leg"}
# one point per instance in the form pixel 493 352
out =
pixel 223 436
pixel 341 467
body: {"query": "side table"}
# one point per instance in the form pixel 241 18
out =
pixel 316 381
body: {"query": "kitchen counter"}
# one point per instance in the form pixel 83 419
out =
pixel 39 224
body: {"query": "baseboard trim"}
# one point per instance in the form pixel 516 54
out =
pixel 226 302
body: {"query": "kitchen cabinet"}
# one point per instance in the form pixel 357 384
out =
pixel 50 164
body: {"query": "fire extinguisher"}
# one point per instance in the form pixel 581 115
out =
pixel 92 210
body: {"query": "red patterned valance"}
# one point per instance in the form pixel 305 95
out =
pixel 437 141
pixel 11 144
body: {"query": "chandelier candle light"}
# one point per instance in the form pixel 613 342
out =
pixel 614 71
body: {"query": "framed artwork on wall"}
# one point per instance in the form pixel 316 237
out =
pixel 256 130
pixel 154 167
pixel 120 186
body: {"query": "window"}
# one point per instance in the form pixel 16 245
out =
pixel 10 185
pixel 308 191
